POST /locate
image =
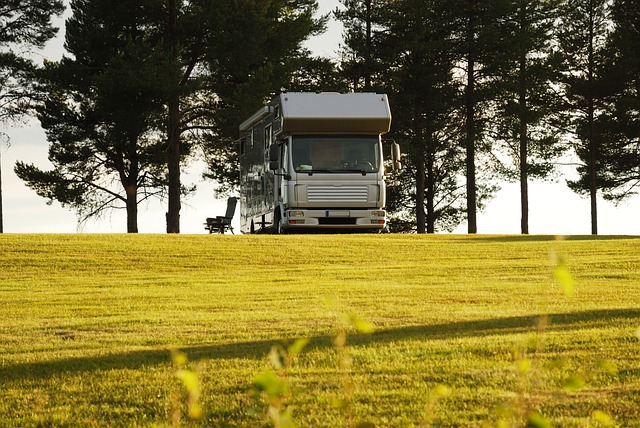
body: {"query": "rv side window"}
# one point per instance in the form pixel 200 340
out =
pixel 285 158
pixel 267 137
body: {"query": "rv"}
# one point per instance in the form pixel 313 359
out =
pixel 314 161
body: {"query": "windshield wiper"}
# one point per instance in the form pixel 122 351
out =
pixel 360 170
pixel 337 170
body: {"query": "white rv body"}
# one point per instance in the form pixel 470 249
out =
pixel 314 161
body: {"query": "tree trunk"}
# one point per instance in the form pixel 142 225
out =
pixel 593 178
pixel 173 166
pixel 367 59
pixel 524 181
pixel 132 209
pixel 593 195
pixel 470 123
pixel 173 131
pixel 420 188
pixel 431 193
pixel 593 175
pixel 524 166
pixel 130 182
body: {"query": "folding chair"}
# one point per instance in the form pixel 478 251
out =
pixel 219 223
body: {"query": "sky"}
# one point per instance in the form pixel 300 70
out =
pixel 554 209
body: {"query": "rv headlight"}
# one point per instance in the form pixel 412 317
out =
pixel 380 213
pixel 296 214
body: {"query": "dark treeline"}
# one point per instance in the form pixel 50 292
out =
pixel 488 91
pixel 481 92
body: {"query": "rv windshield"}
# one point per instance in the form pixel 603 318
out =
pixel 336 153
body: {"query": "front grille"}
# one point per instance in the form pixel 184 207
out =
pixel 328 194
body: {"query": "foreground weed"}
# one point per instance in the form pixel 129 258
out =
pixel 523 410
pixel 603 419
pixel 528 370
pixel 520 411
pixel 345 362
pixel 438 393
pixel 562 274
pixel 346 322
pixel 274 383
pixel 191 396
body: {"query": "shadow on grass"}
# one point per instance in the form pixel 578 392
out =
pixel 259 349
pixel 548 238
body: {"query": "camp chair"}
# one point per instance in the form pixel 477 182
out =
pixel 219 224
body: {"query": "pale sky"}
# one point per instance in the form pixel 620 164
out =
pixel 554 209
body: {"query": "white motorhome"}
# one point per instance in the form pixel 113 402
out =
pixel 315 161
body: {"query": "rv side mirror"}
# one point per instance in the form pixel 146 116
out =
pixel 395 156
pixel 274 154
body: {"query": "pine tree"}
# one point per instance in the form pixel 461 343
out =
pixel 419 56
pixel 526 102
pixel 360 59
pixel 99 113
pixel 585 27
pixel 24 24
pixel 619 174
pixel 477 41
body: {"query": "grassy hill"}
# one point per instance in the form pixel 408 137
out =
pixel 140 330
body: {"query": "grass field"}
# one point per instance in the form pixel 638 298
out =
pixel 467 330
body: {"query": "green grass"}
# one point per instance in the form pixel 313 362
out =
pixel 88 322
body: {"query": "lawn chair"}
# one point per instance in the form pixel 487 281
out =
pixel 219 224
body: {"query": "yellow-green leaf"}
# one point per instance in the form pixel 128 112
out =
pixel 188 378
pixel 563 276
pixel 573 383
pixel 524 366
pixel 360 324
pixel 297 346
pixel 270 383
pixel 603 418
pixel 536 420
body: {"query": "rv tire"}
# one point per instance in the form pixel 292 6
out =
pixel 277 227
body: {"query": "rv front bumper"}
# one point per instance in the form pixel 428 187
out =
pixel 338 218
